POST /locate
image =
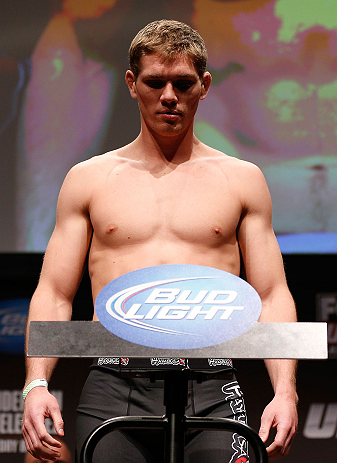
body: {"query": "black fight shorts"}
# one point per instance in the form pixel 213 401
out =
pixel 106 395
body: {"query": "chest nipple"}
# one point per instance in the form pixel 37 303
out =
pixel 110 229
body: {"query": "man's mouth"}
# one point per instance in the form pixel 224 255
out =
pixel 170 113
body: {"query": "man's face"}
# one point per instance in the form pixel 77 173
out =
pixel 168 92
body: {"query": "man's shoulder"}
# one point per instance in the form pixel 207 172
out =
pixel 244 177
pixel 98 161
pixel 95 166
pixel 85 176
pixel 230 162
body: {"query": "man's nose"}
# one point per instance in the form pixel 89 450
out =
pixel 168 94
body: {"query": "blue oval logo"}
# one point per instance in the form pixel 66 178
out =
pixel 178 306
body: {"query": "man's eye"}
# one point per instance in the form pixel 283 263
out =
pixel 155 83
pixel 183 85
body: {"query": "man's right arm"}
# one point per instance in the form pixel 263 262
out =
pixel 52 301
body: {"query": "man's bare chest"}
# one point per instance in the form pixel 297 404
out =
pixel 137 206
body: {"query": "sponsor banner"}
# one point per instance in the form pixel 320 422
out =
pixel 13 319
pixel 178 306
pixel 321 421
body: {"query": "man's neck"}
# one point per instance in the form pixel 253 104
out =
pixel 166 148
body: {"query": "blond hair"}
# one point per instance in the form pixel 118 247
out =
pixel 168 38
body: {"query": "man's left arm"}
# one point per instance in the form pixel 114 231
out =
pixel 263 266
pixel 281 412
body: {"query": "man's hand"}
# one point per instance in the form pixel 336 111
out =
pixel 39 405
pixel 281 414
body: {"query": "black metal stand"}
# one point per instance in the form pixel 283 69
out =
pixel 174 423
pixel 91 339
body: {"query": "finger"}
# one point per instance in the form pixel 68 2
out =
pixel 39 443
pixel 280 446
pixel 44 452
pixel 40 451
pixel 274 453
pixel 56 416
pixel 45 438
pixel 288 441
pixel 265 429
pixel 264 434
pixel 27 439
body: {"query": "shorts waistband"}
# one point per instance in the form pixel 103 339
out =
pixel 163 363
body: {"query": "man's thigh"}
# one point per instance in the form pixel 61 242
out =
pixel 217 399
pixel 211 447
pixel 105 395
pixel 119 447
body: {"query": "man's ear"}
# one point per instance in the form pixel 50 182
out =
pixel 131 83
pixel 206 83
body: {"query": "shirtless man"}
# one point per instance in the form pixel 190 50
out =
pixel 166 198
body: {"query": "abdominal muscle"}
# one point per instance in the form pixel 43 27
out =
pixel 107 264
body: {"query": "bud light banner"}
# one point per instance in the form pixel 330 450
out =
pixel 178 306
